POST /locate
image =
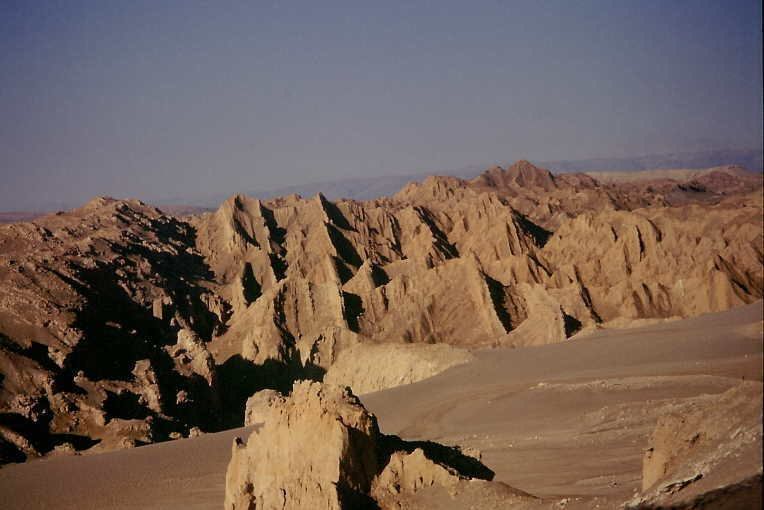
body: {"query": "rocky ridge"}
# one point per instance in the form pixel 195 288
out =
pixel 121 325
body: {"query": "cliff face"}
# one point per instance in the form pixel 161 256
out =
pixel 121 325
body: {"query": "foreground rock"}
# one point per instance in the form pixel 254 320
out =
pixel 707 453
pixel 319 448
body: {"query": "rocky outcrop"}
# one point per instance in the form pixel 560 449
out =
pixel 259 405
pixel 319 448
pixel 706 451
pixel 91 302
pixel 120 322
pixel 516 257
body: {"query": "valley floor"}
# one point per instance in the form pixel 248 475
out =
pixel 568 419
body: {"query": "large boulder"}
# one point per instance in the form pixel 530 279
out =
pixel 317 449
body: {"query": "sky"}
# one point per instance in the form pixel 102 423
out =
pixel 155 99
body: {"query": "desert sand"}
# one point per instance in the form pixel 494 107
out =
pixel 568 420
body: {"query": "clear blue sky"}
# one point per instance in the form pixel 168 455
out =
pixel 157 99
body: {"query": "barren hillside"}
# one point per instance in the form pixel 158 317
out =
pixel 121 325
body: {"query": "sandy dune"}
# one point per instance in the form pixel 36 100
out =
pixel 567 419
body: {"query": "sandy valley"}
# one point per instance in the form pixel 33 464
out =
pixel 568 421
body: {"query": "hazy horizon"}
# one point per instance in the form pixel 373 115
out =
pixel 182 99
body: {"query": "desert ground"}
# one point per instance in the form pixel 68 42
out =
pixel 568 420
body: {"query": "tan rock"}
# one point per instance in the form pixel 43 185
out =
pixel 319 448
pixel 704 445
pixel 259 405
pixel 316 450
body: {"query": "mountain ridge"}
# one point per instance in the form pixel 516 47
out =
pixel 122 325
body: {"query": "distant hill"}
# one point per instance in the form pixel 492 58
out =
pixel 374 187
pixel 366 188
pixel 748 158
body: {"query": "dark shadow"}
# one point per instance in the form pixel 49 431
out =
pixel 36 432
pixel 312 372
pixel 572 325
pixel 36 351
pixel 539 234
pixel 344 271
pixel 746 493
pixel 9 453
pixel 239 379
pixel 586 296
pixel 124 405
pixel 498 298
pixel 252 289
pixel 379 276
pixel 39 436
pixel 78 442
pixel 118 328
pixel 441 239
pixel 335 215
pixel 350 498
pixel 279 266
pixel 344 247
pixel 353 309
pixel 238 227
pixel 277 235
pixel 450 456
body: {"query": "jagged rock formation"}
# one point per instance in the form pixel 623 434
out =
pixel 104 314
pixel 468 263
pixel 285 465
pixel 121 324
pixel 707 453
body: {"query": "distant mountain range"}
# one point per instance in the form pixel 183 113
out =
pixel 366 188
pixel 373 187
pixel 748 158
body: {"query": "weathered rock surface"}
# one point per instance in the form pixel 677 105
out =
pixel 258 406
pixel 120 324
pixel 319 448
pixel 707 453
pixel 90 302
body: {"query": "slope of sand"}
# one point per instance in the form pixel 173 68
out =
pixel 568 419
